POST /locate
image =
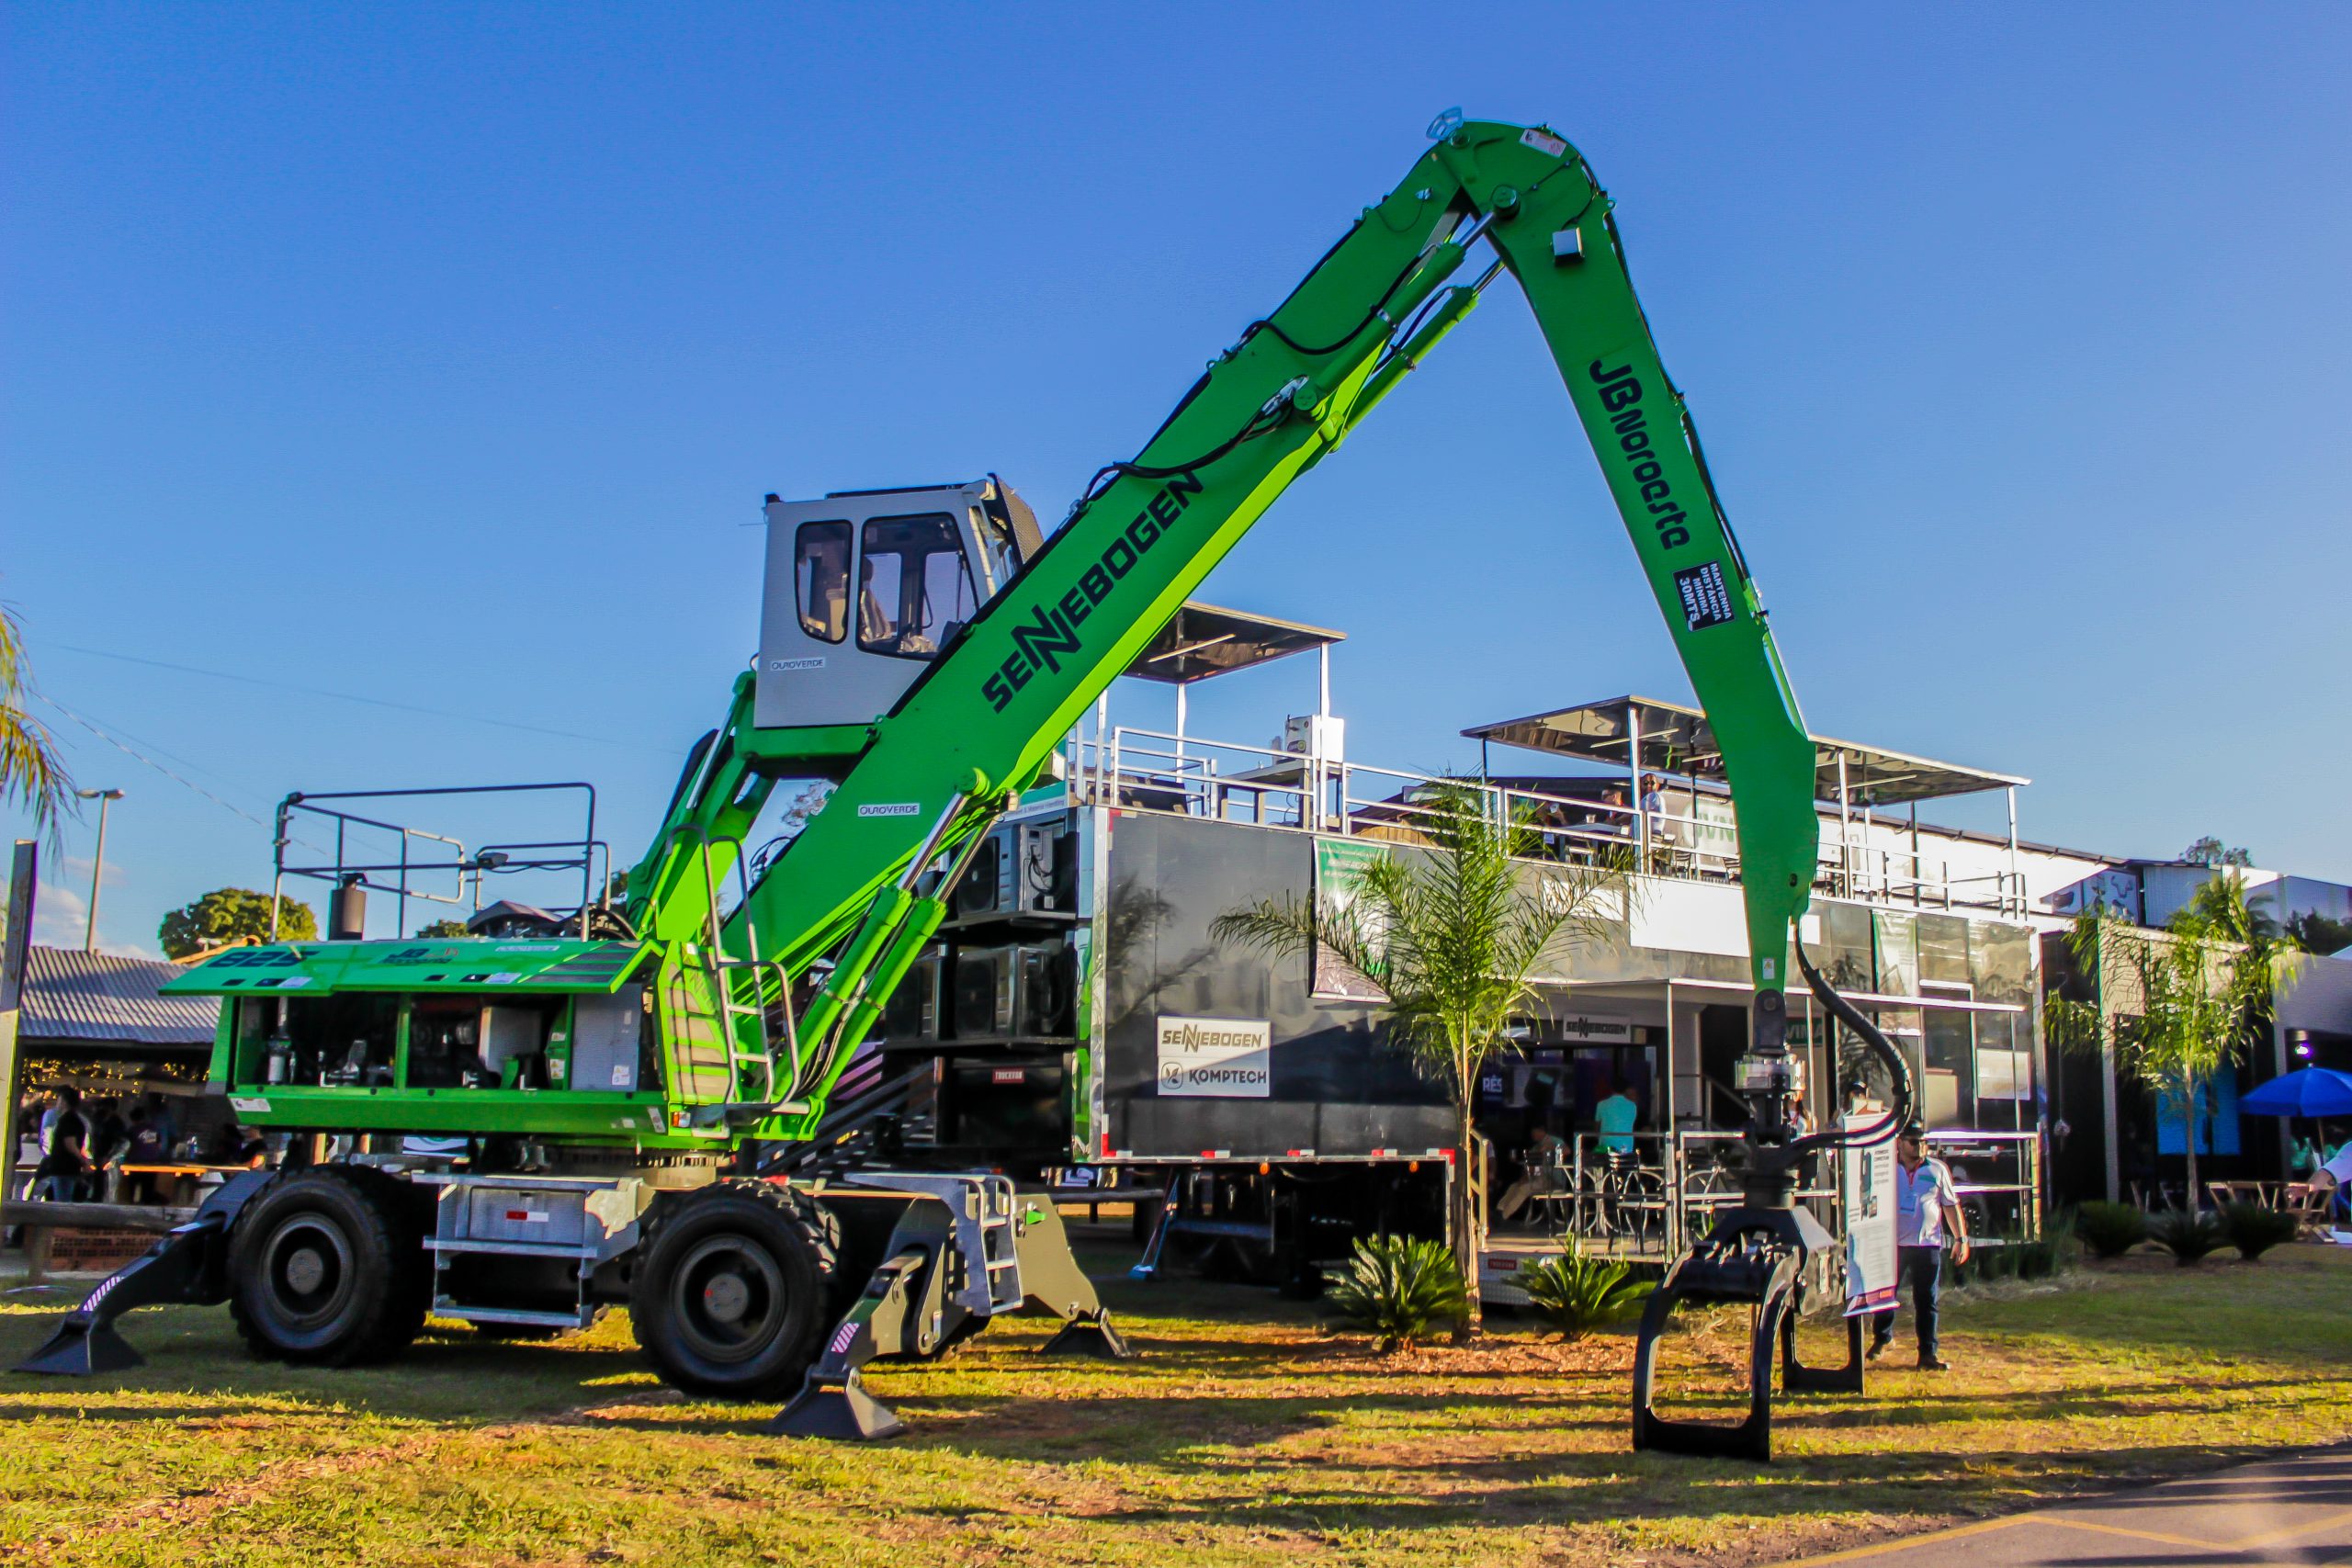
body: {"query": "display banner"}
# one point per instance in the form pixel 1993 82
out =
pixel 1338 863
pixel 1869 1194
pixel 1229 1058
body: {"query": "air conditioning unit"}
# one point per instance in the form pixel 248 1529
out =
pixel 1023 868
pixel 918 1010
pixel 1320 735
pixel 1019 989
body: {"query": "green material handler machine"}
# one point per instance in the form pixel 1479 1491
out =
pixel 611 1078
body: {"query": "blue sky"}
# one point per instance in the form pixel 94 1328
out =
pixel 440 356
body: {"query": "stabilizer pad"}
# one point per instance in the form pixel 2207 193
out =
pixel 1089 1337
pixel 844 1411
pixel 81 1348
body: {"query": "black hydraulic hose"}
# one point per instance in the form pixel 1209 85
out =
pixel 1852 1017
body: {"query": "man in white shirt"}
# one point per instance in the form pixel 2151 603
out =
pixel 1926 1209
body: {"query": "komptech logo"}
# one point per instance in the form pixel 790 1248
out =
pixel 1048 632
pixel 1215 1057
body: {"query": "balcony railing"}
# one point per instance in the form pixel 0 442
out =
pixel 1266 786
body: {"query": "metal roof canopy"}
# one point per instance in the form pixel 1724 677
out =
pixel 1204 640
pixel 78 999
pixel 1676 738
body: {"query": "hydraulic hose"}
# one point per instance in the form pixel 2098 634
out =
pixel 1897 1068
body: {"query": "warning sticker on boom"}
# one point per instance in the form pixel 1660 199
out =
pixel 1706 602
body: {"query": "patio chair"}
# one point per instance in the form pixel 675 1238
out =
pixel 2309 1206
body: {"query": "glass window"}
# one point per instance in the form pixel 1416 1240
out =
pixel 2000 962
pixel 821 576
pixel 914 585
pixel 1846 946
pixel 1948 1090
pixel 1899 954
pixel 1943 950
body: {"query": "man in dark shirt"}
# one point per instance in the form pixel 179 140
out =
pixel 58 1177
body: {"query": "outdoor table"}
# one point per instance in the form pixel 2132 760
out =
pixel 183 1177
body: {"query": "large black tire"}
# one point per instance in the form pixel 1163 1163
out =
pixel 327 1267
pixel 736 1289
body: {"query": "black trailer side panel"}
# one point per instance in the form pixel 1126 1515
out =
pixel 1336 1088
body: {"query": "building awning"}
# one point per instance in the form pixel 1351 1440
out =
pixel 1675 739
pixel 1201 640
pixel 89 999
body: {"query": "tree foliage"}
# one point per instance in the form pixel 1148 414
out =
pixel 2315 932
pixel 1450 934
pixel 2174 1006
pixel 439 930
pixel 231 914
pixel 2211 851
pixel 33 774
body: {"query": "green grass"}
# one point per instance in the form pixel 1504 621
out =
pixel 1248 1435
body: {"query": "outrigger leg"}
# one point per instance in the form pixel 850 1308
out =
pixel 833 1403
pixel 1052 1281
pixel 189 1264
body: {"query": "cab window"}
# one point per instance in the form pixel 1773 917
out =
pixel 820 578
pixel 914 585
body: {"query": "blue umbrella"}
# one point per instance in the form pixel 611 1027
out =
pixel 2307 1091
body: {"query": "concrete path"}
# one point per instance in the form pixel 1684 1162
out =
pixel 2290 1511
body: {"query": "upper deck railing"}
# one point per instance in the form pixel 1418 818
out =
pixel 1266 786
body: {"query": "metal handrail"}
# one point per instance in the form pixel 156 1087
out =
pixel 1206 775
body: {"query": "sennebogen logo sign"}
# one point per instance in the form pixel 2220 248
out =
pixel 1229 1058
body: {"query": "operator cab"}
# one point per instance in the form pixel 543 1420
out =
pixel 865 587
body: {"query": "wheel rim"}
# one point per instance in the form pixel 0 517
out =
pixel 729 1299
pixel 308 1270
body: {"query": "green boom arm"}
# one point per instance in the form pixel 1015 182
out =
pixel 987 713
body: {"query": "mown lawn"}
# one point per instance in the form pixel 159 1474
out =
pixel 1247 1435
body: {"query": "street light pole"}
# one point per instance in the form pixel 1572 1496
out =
pixel 105 797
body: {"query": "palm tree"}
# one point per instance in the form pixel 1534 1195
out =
pixel 2192 995
pixel 32 775
pixel 1451 935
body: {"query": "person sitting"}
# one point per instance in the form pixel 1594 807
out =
pixel 1612 819
pixel 1539 1172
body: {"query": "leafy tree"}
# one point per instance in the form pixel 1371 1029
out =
pixel 230 914
pixel 2211 851
pixel 438 929
pixel 2315 932
pixel 1450 934
pixel 33 774
pixel 2174 1006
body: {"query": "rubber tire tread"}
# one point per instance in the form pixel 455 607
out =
pixel 817 1230
pixel 392 1241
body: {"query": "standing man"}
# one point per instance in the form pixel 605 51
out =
pixel 1617 1117
pixel 65 1109
pixel 1926 1209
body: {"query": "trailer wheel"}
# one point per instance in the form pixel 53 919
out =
pixel 327 1266
pixel 736 1290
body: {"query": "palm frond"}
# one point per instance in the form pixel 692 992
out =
pixel 33 771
